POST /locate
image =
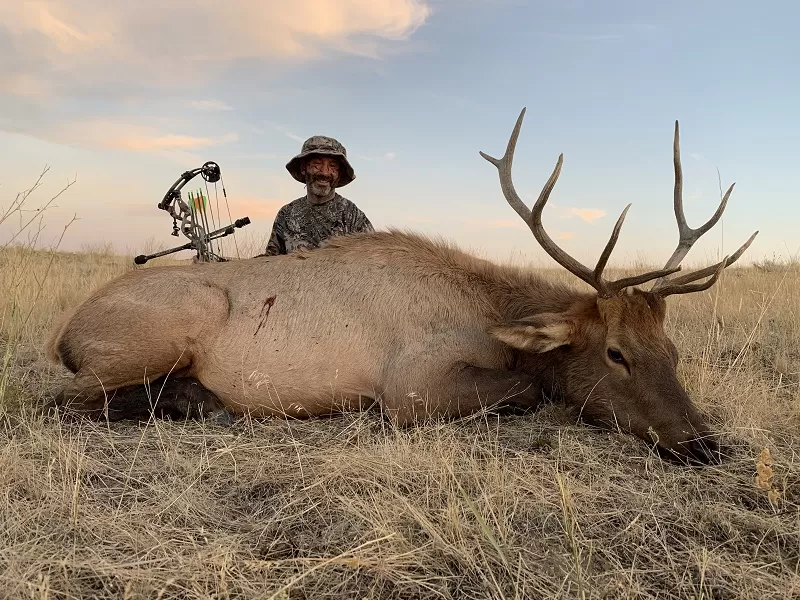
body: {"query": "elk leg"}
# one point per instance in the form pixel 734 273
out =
pixel 466 390
pixel 172 397
pixel 96 378
pixel 100 392
pixel 501 387
pixel 116 338
pixel 85 395
pixel 167 396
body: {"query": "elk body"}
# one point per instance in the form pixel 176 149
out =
pixel 413 324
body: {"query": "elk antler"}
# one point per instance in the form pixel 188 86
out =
pixel 534 221
pixel 688 236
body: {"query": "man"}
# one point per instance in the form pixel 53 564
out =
pixel 322 213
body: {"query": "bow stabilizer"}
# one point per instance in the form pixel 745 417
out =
pixel 193 217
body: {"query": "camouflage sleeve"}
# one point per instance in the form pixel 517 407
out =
pixel 359 222
pixel 276 244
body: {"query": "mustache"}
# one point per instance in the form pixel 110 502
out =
pixel 321 179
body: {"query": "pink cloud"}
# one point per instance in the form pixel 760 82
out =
pixel 144 143
pixel 118 135
pixel 103 41
pixel 587 214
pixel 24 85
pixel 257 207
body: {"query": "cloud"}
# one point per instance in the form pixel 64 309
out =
pixel 109 134
pixel 256 207
pixel 64 37
pixel 121 42
pixel 587 214
pixel 60 59
pixel 564 235
pixel 23 85
pixel 697 156
pixel 210 105
pixel 290 134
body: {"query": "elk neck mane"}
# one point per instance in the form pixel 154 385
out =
pixel 504 291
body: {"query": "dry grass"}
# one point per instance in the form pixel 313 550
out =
pixel 517 507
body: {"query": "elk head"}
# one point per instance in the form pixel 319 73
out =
pixel 614 361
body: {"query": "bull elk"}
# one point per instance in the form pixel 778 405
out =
pixel 410 323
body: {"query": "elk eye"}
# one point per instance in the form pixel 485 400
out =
pixel 616 356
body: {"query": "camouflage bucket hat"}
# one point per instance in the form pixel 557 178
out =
pixel 321 145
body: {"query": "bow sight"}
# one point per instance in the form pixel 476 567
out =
pixel 193 217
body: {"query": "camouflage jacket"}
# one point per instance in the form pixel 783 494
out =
pixel 301 224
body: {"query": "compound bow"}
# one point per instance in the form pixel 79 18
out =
pixel 193 217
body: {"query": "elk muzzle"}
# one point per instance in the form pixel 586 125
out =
pixel 701 450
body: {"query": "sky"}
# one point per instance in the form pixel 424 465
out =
pixel 122 99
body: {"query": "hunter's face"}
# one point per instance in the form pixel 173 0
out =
pixel 322 175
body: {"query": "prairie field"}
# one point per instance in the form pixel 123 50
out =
pixel 511 507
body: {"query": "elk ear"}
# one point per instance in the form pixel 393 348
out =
pixel 539 333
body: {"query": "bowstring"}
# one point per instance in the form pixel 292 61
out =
pixel 228 207
pixel 208 195
pixel 211 246
pixel 193 212
pixel 204 221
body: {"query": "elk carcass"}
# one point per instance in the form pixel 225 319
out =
pixel 411 323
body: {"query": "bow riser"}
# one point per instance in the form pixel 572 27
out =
pixel 219 233
pixel 194 223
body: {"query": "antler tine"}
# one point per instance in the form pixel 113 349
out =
pixel 687 288
pixel 688 236
pixel 534 218
pixel 504 169
pixel 612 287
pixel 621 284
pixel 663 288
pixel 612 241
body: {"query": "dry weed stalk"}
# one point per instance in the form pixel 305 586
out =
pixel 765 475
